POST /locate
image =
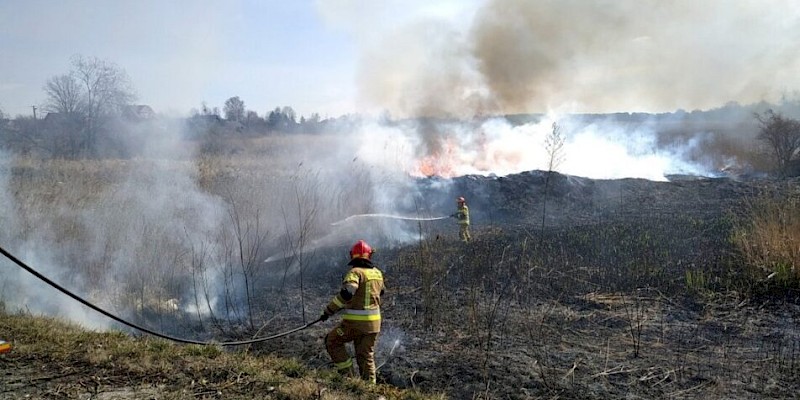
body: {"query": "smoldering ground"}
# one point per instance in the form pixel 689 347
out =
pixel 167 225
pixel 175 225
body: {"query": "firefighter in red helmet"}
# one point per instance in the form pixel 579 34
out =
pixel 462 215
pixel 360 298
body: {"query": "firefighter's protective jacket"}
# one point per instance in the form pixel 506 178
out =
pixel 463 215
pixel 362 307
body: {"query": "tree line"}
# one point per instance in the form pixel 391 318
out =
pixel 240 119
pixel 91 112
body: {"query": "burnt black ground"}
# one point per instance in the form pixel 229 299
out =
pixel 630 289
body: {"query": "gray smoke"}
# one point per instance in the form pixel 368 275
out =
pixel 160 233
pixel 600 56
pixel 442 68
pixel 115 232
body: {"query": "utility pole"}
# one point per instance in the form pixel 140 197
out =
pixel 35 124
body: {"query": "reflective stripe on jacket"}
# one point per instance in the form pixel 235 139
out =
pixel 463 215
pixel 364 308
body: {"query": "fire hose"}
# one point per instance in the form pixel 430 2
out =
pixel 141 328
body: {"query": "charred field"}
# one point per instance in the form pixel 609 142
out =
pixel 571 288
pixel 597 289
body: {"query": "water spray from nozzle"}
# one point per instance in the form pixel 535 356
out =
pixel 395 345
pixel 391 216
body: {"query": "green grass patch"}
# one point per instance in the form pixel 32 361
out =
pixel 43 344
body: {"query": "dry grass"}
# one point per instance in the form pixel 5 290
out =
pixel 98 229
pixel 769 237
pixel 50 356
pixel 554 344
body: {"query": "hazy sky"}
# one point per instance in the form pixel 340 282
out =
pixel 181 53
pixel 412 57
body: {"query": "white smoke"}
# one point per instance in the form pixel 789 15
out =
pixel 595 149
pixel 115 231
pixel 18 288
pixel 501 57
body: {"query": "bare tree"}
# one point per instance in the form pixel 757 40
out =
pixel 63 94
pixel 249 237
pixel 106 89
pixel 781 136
pixel 234 109
pixel 91 93
pixel 305 185
pixel 554 145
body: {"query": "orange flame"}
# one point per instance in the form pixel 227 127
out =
pixel 442 163
pixel 479 155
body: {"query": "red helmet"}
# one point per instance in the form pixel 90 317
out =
pixel 461 199
pixel 361 250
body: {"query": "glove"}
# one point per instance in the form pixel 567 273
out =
pixel 455 215
pixel 324 317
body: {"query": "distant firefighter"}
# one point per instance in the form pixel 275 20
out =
pixel 360 297
pixel 462 215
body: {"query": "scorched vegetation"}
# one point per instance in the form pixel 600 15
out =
pixel 615 288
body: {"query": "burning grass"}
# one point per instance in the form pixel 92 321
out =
pixel 630 288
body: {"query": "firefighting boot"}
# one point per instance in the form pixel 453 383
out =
pixel 345 368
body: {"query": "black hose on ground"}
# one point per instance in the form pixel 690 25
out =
pixel 141 328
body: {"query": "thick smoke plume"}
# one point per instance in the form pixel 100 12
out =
pixel 171 226
pixel 561 58
pixel 600 56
